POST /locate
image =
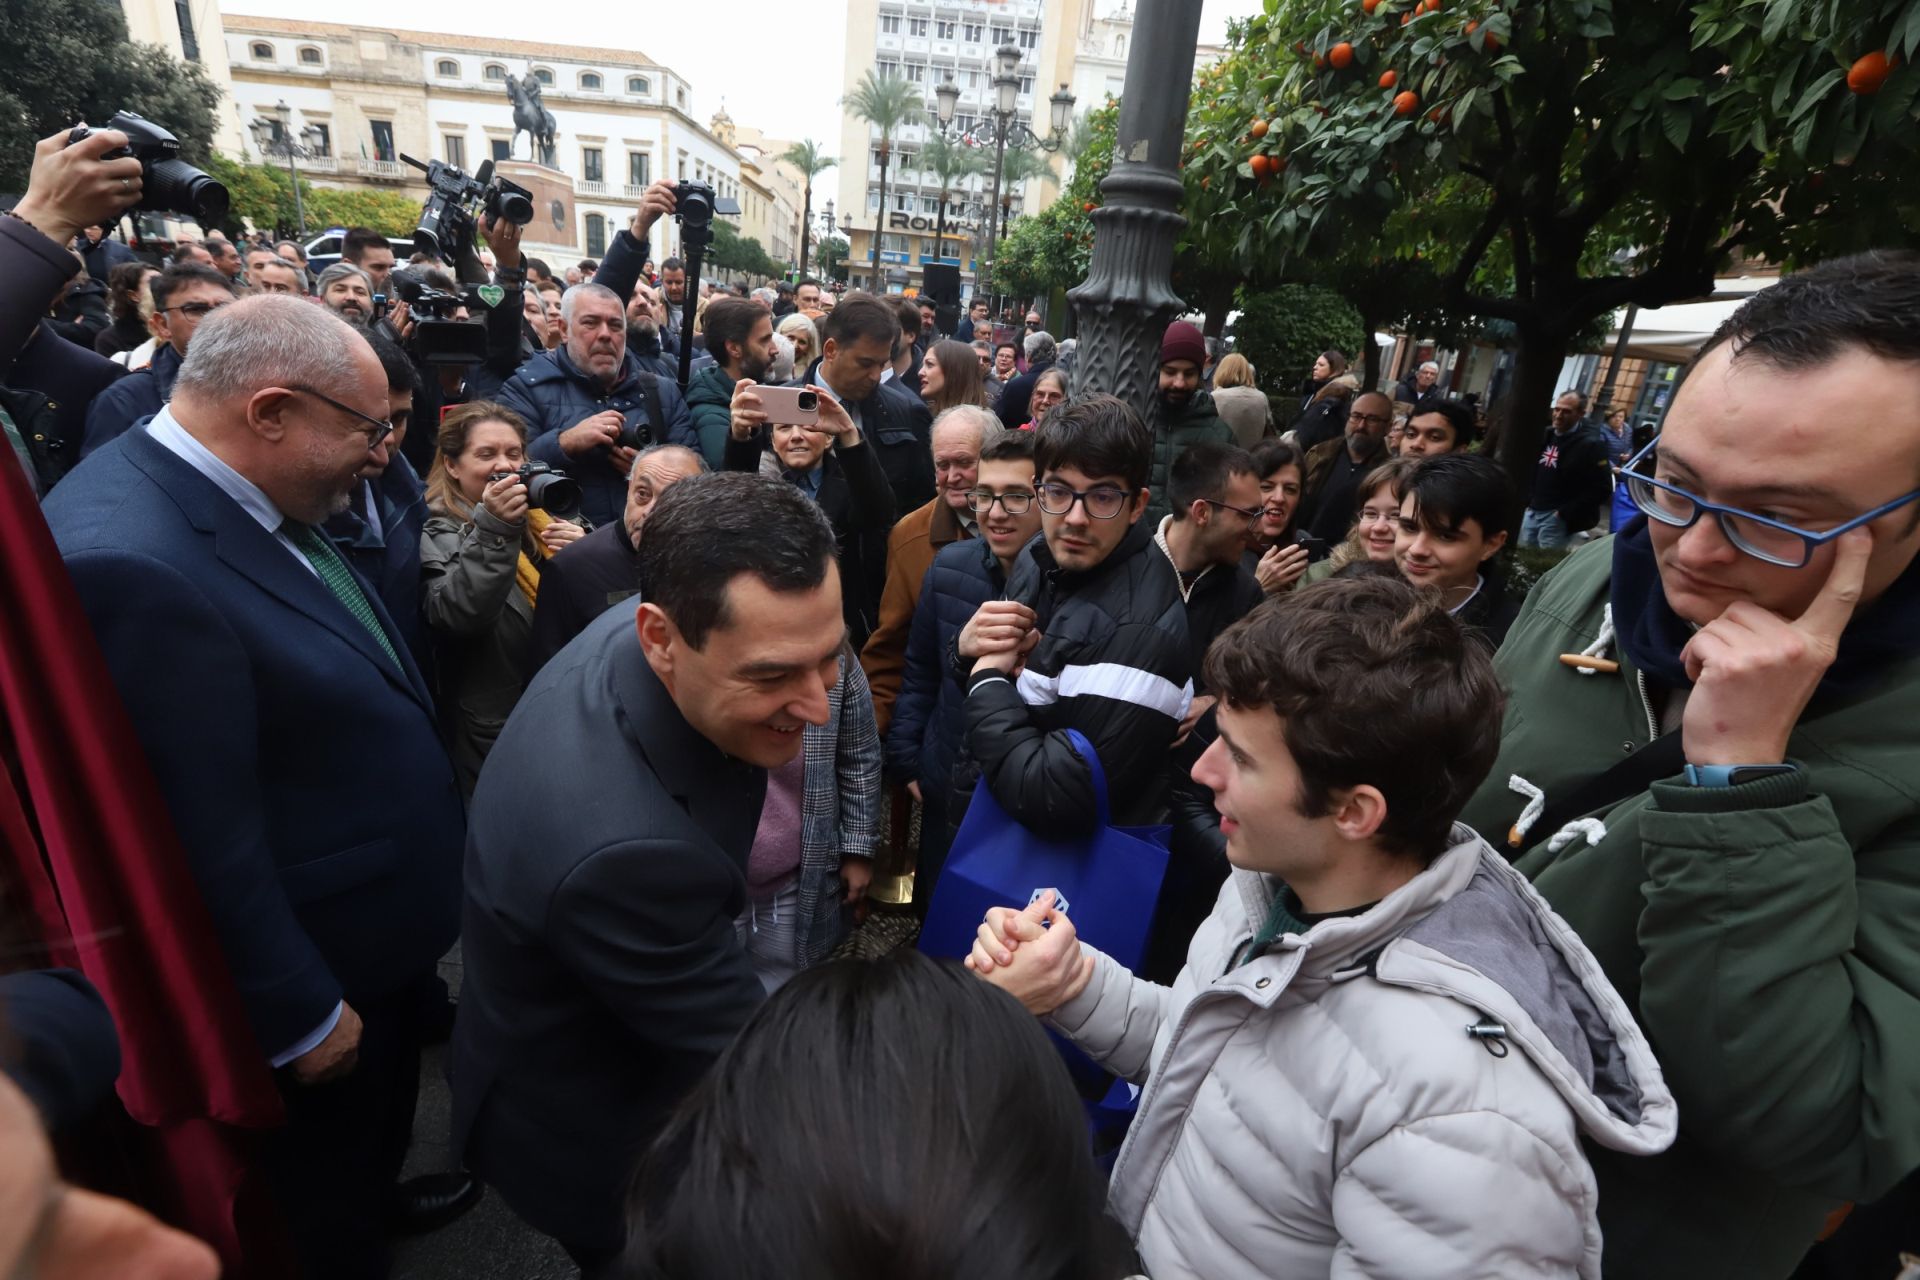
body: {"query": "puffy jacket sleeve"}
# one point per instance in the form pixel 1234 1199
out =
pixel 1132 695
pixel 620 268
pixel 1116 1019
pixel 466 572
pixel 1781 982
pixel 35 267
pixel 712 419
pixel 921 670
pixel 1465 1194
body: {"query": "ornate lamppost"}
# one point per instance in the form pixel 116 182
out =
pixel 275 137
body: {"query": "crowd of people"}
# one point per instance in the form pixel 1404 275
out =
pixel 1561 932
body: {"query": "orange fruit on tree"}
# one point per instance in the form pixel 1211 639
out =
pixel 1369 5
pixel 1262 166
pixel 1869 72
pixel 1406 102
pixel 1405 18
pixel 1259 129
pixel 1089 207
pixel 1472 27
pixel 1389 78
pixel 1341 56
pixel 1319 61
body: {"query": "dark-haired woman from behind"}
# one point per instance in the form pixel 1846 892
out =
pixel 878 1119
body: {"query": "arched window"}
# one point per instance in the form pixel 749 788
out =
pixel 448 67
pixel 543 74
pixel 495 71
pixel 590 81
pixel 639 85
pixel 596 236
pixel 1119 46
pixel 309 56
pixel 263 51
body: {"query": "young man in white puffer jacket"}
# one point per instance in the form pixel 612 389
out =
pixel 1385 1051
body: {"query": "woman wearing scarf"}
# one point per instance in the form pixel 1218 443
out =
pixel 480 558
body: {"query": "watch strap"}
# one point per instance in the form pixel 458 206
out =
pixel 1732 775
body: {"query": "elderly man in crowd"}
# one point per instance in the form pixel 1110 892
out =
pixel 195 546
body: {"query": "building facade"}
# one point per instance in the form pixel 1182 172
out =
pixel 621 119
pixel 925 41
pixel 191 33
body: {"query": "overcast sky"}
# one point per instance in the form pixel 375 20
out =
pixel 777 63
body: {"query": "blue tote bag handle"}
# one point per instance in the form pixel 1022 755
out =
pixel 1094 767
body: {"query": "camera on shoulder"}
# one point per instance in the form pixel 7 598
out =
pixel 455 200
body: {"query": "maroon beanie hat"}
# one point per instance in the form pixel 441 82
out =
pixel 1183 342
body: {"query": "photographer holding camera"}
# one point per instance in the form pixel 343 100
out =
pixel 492 520
pixel 591 406
pixel 49 381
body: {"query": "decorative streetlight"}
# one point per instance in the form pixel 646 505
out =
pixel 1123 306
pixel 1002 128
pixel 275 138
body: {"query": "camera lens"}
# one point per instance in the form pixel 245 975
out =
pixel 516 208
pixel 553 492
pixel 807 401
pixel 178 187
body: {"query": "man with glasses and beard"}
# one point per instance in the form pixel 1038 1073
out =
pixel 1334 470
pixel 182 298
pixel 291 734
pixel 1092 636
pixel 1712 739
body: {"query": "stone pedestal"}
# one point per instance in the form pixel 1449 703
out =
pixel 554 223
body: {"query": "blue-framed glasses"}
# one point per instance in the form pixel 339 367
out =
pixel 1758 536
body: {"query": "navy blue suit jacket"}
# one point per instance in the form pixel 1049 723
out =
pixel 303 769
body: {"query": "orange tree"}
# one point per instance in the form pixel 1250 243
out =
pixel 1519 146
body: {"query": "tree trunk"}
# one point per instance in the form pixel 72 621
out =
pixel 806 227
pixel 1216 302
pixel 1524 414
pixel 880 218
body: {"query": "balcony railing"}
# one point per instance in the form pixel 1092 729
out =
pixel 592 188
pixel 382 169
pixel 321 164
pixel 634 192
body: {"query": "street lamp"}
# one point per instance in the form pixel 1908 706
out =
pixel 275 138
pixel 1002 128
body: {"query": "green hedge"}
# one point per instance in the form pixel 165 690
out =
pixel 1282 330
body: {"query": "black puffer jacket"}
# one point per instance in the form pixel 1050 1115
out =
pixel 1113 663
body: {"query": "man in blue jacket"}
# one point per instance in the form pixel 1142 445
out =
pixel 290 732
pixel 590 406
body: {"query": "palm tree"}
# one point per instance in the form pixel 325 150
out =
pixel 806 157
pixel 950 162
pixel 1020 164
pixel 886 102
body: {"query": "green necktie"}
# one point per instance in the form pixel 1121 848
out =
pixel 320 553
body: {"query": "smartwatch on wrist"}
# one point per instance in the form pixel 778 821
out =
pixel 1732 775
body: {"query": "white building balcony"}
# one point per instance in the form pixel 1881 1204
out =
pixel 591 188
pixel 320 164
pixel 633 192
pixel 391 170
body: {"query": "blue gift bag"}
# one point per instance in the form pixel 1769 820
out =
pixel 1110 878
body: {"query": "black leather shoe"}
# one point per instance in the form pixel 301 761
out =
pixel 431 1201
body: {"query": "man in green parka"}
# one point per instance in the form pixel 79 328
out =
pixel 1186 416
pixel 1710 766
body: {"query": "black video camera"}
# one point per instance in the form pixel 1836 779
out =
pixel 548 489
pixel 168 184
pixel 438 338
pixel 455 200
pixel 694 204
pixel 635 431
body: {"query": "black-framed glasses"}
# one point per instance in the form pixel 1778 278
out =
pixel 1761 537
pixel 198 310
pixel 1014 504
pixel 376 430
pixel 1103 502
pixel 1251 513
pixel 1381 418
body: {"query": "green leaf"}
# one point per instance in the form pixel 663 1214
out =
pixel 1779 14
pixel 1683 88
pixel 1384 190
pixel 1598 27
pixel 1758 138
pixel 1907 40
pixel 1850 129
pixel 1783 85
pixel 1895 101
pixel 1678 123
pixel 1815 92
pixel 1465 104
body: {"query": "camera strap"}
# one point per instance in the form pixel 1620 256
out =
pixel 656 416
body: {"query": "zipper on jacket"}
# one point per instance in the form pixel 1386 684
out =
pixel 1646 704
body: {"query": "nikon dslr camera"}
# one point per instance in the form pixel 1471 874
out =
pixel 455 201
pixel 168 184
pixel 694 204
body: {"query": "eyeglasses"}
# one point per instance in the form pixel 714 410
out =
pixel 1102 502
pixel 1762 538
pixel 376 429
pixel 1251 513
pixel 1375 418
pixel 198 310
pixel 1014 504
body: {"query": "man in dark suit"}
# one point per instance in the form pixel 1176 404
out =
pixel 290 731
pixel 608 853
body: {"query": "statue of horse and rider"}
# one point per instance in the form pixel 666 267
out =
pixel 531 117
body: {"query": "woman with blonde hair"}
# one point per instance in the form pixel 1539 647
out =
pixel 486 537
pixel 800 331
pixel 1241 405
